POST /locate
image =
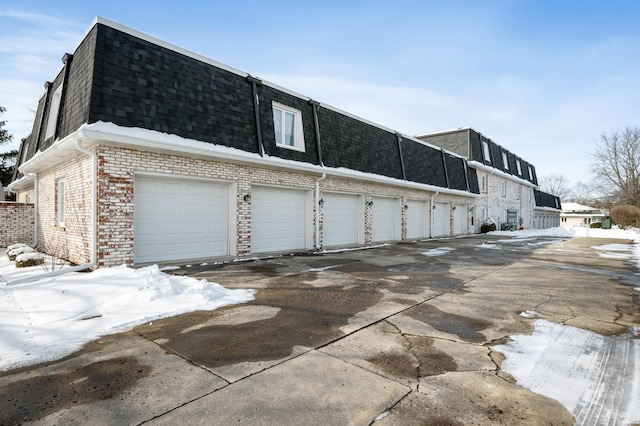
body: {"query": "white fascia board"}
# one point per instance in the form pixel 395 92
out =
pixel 112 134
pixel 24 182
pixel 548 209
pixel 494 171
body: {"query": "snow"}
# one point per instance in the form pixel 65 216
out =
pixel 595 377
pixel 53 317
pixel 438 252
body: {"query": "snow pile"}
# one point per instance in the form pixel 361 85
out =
pixel 575 231
pixel 595 377
pixel 51 318
pixel 438 251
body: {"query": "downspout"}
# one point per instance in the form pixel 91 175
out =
pixel 35 207
pixel 94 225
pixel 321 178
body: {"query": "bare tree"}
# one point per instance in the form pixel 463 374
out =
pixel 617 164
pixel 556 184
pixel 581 193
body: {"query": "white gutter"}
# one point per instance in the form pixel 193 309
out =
pixel 94 225
pixel 321 178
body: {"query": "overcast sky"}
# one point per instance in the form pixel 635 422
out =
pixel 542 78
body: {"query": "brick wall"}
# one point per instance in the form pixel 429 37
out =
pixel 73 241
pixel 118 167
pixel 16 223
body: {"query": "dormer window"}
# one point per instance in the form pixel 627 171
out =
pixel 54 110
pixel 287 124
pixel 530 173
pixel 505 160
pixel 485 150
pixel 519 166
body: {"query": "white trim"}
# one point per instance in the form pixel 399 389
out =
pixel 112 134
pixel 54 111
pixel 298 131
pixel 60 201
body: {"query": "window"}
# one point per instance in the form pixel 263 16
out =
pixel 483 184
pixel 287 123
pixel 60 202
pixel 530 173
pixel 519 166
pixel 504 188
pixel 24 152
pixel 485 150
pixel 519 194
pixel 54 109
pixel 505 160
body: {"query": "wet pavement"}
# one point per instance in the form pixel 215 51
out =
pixel 400 334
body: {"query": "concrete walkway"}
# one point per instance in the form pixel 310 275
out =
pixel 401 334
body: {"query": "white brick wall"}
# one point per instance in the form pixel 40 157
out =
pixel 517 196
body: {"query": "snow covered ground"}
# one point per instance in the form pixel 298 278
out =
pixel 53 317
pixel 50 318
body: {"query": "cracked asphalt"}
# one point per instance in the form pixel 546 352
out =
pixel 400 334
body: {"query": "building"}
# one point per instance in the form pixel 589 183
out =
pixel 507 183
pixel 144 152
pixel 574 214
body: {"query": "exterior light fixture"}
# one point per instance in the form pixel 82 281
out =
pixel 321 202
pixel 247 197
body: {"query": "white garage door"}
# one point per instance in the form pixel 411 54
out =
pixel 385 219
pixel 342 219
pixel 417 219
pixel 279 219
pixel 179 219
pixel 460 226
pixel 441 217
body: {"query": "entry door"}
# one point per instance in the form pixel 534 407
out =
pixel 279 219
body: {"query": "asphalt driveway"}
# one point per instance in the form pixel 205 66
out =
pixel 399 334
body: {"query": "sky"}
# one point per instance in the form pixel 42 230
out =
pixel 49 318
pixel 544 79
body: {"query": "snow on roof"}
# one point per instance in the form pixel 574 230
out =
pixel 579 208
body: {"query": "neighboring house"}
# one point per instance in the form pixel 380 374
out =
pixel 144 152
pixel 507 183
pixel 574 214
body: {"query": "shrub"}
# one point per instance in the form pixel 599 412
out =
pixel 487 227
pixel 18 251
pixel 29 259
pixel 595 225
pixel 626 216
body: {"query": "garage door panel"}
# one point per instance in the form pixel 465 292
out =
pixel 417 219
pixel 385 219
pixel 342 219
pixel 441 219
pixel 278 219
pixel 179 219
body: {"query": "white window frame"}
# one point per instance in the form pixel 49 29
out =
pixel 483 184
pixel 504 188
pixel 298 132
pixel 519 194
pixel 505 160
pixel 486 151
pixel 530 173
pixel 519 166
pixel 60 201
pixel 54 110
